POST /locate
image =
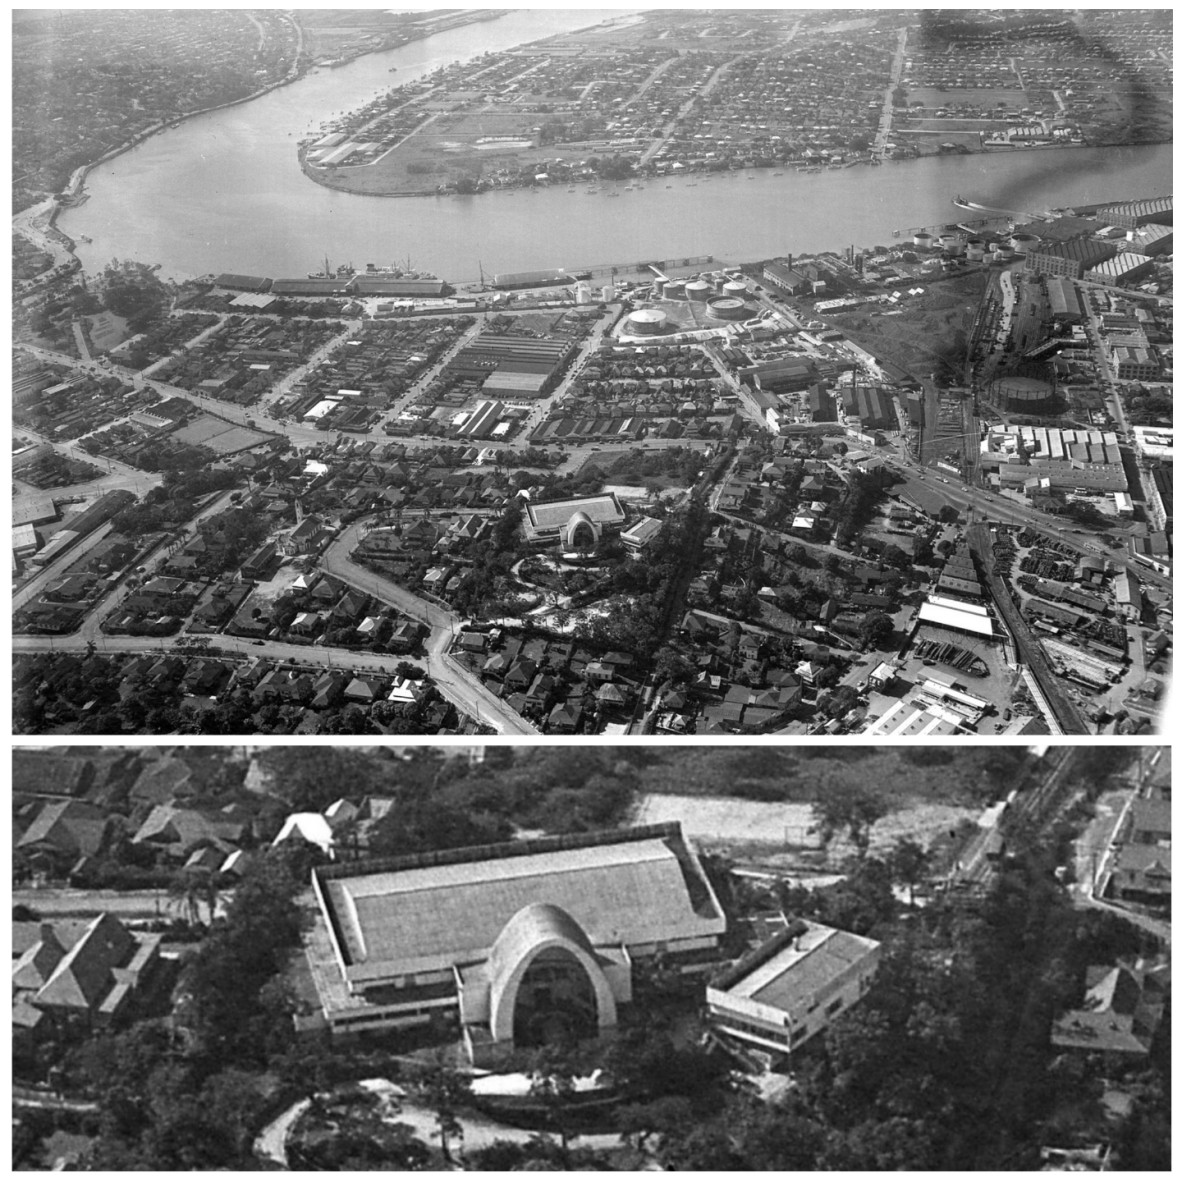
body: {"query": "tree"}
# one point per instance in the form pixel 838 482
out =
pixel 444 1090
pixel 876 629
pixel 552 1070
pixel 853 808
pixel 909 862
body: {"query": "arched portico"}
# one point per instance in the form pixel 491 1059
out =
pixel 544 958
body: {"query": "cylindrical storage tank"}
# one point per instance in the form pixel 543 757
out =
pixel 582 292
pixel 922 239
pixel 734 289
pixel 975 249
pixel 719 283
pixel 675 289
pixel 726 308
pixel 609 293
pixel 952 243
pixel 1003 250
pixel 699 290
pixel 647 321
pixel 658 288
pixel 1023 242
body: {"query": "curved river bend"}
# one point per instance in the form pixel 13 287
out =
pixel 224 192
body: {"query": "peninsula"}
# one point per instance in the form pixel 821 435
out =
pixel 671 93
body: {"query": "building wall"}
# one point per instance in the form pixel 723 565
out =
pixel 754 1021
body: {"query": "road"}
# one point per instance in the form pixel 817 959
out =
pixel 62 902
pixel 478 1130
pixel 451 678
pixel 888 99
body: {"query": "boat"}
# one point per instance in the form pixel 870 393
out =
pixel 777 174
pixel 668 186
pixel 571 189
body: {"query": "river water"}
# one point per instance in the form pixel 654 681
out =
pixel 224 191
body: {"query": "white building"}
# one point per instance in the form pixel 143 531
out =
pixel 792 987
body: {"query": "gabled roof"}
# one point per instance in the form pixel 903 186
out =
pixel 68 826
pixel 311 827
pixel 84 974
pixel 36 966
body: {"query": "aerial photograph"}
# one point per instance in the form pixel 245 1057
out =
pixel 343 404
pixel 655 956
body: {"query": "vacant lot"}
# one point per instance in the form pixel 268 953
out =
pixel 930 335
pixel 218 435
pixel 724 822
pixel 955 776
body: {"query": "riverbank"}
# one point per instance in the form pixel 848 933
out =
pixel 37 224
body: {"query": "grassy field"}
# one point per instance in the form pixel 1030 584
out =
pixel 802 774
pixel 930 335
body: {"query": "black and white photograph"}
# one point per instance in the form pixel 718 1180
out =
pixel 345 404
pixel 658 956
pixel 592 589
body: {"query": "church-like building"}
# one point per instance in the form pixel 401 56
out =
pixel 509 945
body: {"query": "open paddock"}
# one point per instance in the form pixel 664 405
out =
pixel 218 435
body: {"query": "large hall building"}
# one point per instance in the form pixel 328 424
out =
pixel 509 945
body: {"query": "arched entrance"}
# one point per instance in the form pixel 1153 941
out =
pixel 546 983
pixel 555 1002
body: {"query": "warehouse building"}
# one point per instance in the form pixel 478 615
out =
pixel 254 283
pixel 402 289
pixel 972 618
pixel 1121 270
pixel 1068 259
pixel 516 944
pixel 548 278
pixel 1130 215
pixel 1064 300
pixel 1132 364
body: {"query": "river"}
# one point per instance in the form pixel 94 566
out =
pixel 224 192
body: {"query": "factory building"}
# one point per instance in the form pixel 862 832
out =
pixel 1130 215
pixel 516 944
pixel 1064 301
pixel 511 366
pixel 872 406
pixel 1152 240
pixel 785 277
pixel 789 373
pixel 1131 364
pixel 1070 259
pixel 85 523
pixel 1027 458
pixel 1121 270
pixel 481 423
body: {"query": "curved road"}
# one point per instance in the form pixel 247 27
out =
pixel 453 680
